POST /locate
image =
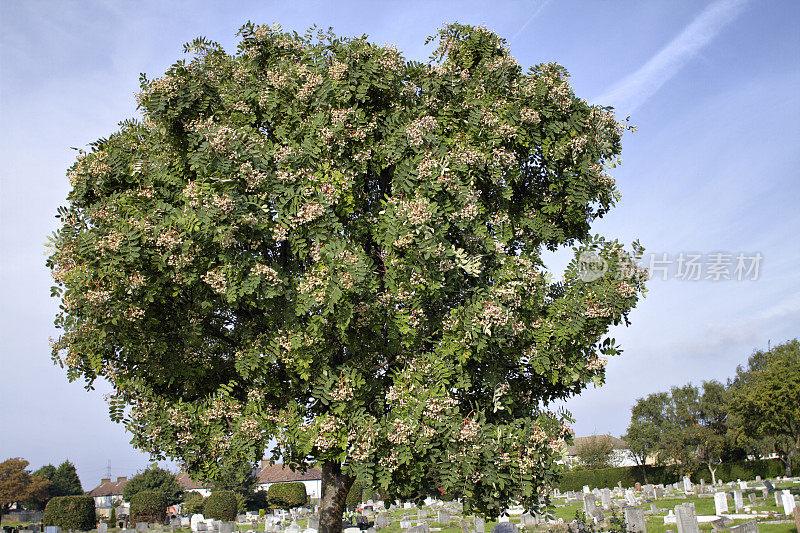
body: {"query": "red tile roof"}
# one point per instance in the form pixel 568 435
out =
pixel 109 488
pixel 188 483
pixel 280 473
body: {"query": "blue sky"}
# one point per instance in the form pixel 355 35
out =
pixel 713 167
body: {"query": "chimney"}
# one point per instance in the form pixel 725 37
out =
pixel 105 480
pixel 121 479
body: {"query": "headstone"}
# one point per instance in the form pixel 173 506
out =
pixel 686 518
pixel 637 486
pixel 718 524
pixel 659 492
pixel 788 503
pixel 758 479
pixel 797 518
pixel 480 526
pixel 769 486
pixel 748 527
pixel 778 498
pixel 634 520
pixel 229 527
pixel 742 484
pixel 52 529
pixel 687 484
pixel 589 504
pixel 752 497
pixel 405 523
pixel 313 523
pixel 314 530
pixel 586 489
pixel 527 520
pixel 102 528
pixel 141 526
pixel 503 518
pixel 738 501
pixel 348 530
pixel 196 519
pixel 605 499
pixel 381 521
pixel 720 503
pixel 505 527
pixel 443 517
pixel 631 498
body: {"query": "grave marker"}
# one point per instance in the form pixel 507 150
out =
pixel 720 503
pixel 738 501
pixel 748 527
pixel 634 520
pixel 686 518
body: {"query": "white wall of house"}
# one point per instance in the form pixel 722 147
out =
pixel 313 487
pixel 203 492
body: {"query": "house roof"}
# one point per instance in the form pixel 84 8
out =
pixel 109 488
pixel 617 444
pixel 188 483
pixel 280 473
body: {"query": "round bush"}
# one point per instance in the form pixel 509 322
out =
pixel 70 512
pixel 193 503
pixel 221 505
pixel 149 506
pixel 287 495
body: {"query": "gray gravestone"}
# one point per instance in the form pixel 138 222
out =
pixel 752 497
pixel 634 520
pixel 381 521
pixel 738 501
pixel 102 528
pixel 141 526
pixel 52 529
pixel 405 523
pixel 605 499
pixel 313 522
pixel 480 526
pixel 527 520
pixel 505 527
pixel 720 503
pixel 769 486
pixel 229 527
pixel 686 518
pixel 748 527
pixel 443 517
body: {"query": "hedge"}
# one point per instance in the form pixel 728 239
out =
pixel 70 512
pixel 149 506
pixel 287 495
pixel 221 505
pixel 192 502
pixel 629 475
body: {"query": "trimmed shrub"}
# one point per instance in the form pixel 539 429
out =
pixel 221 505
pixel 629 475
pixel 70 512
pixel 193 502
pixel 355 495
pixel 287 495
pixel 149 506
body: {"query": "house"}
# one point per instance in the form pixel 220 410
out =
pixel 620 454
pixel 109 493
pixel 279 473
pixel 190 485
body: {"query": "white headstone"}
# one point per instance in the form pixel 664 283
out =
pixel 196 518
pixel 687 483
pixel 738 501
pixel 586 489
pixel 788 503
pixel 720 503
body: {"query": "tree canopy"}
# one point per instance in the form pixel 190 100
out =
pixel 317 241
pixel 156 479
pixel 596 452
pixel 766 399
pixel 17 485
pixel 65 481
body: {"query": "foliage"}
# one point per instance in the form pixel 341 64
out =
pixel 65 481
pixel 221 505
pixel 766 399
pixel 17 485
pixel 596 452
pixel 315 243
pixel 43 492
pixel 287 495
pixel 355 494
pixel 630 475
pixel 70 512
pixel 193 502
pixel 157 479
pixel 687 427
pixel 112 516
pixel 148 506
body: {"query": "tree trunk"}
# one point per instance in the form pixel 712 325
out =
pixel 787 463
pixel 713 475
pixel 335 487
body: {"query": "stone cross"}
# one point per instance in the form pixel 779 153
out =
pixel 738 501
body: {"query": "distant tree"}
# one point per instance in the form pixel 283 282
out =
pixel 46 471
pixel 649 421
pixel 766 399
pixel 596 452
pixel 17 485
pixel 157 479
pixel 42 488
pixel 65 481
pixel 709 433
pixel 239 478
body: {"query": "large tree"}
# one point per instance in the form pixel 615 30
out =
pixel 157 479
pixel 317 242
pixel 766 399
pixel 65 481
pixel 649 423
pixel 17 485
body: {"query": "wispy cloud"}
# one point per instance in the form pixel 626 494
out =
pixel 632 91
pixel 535 13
